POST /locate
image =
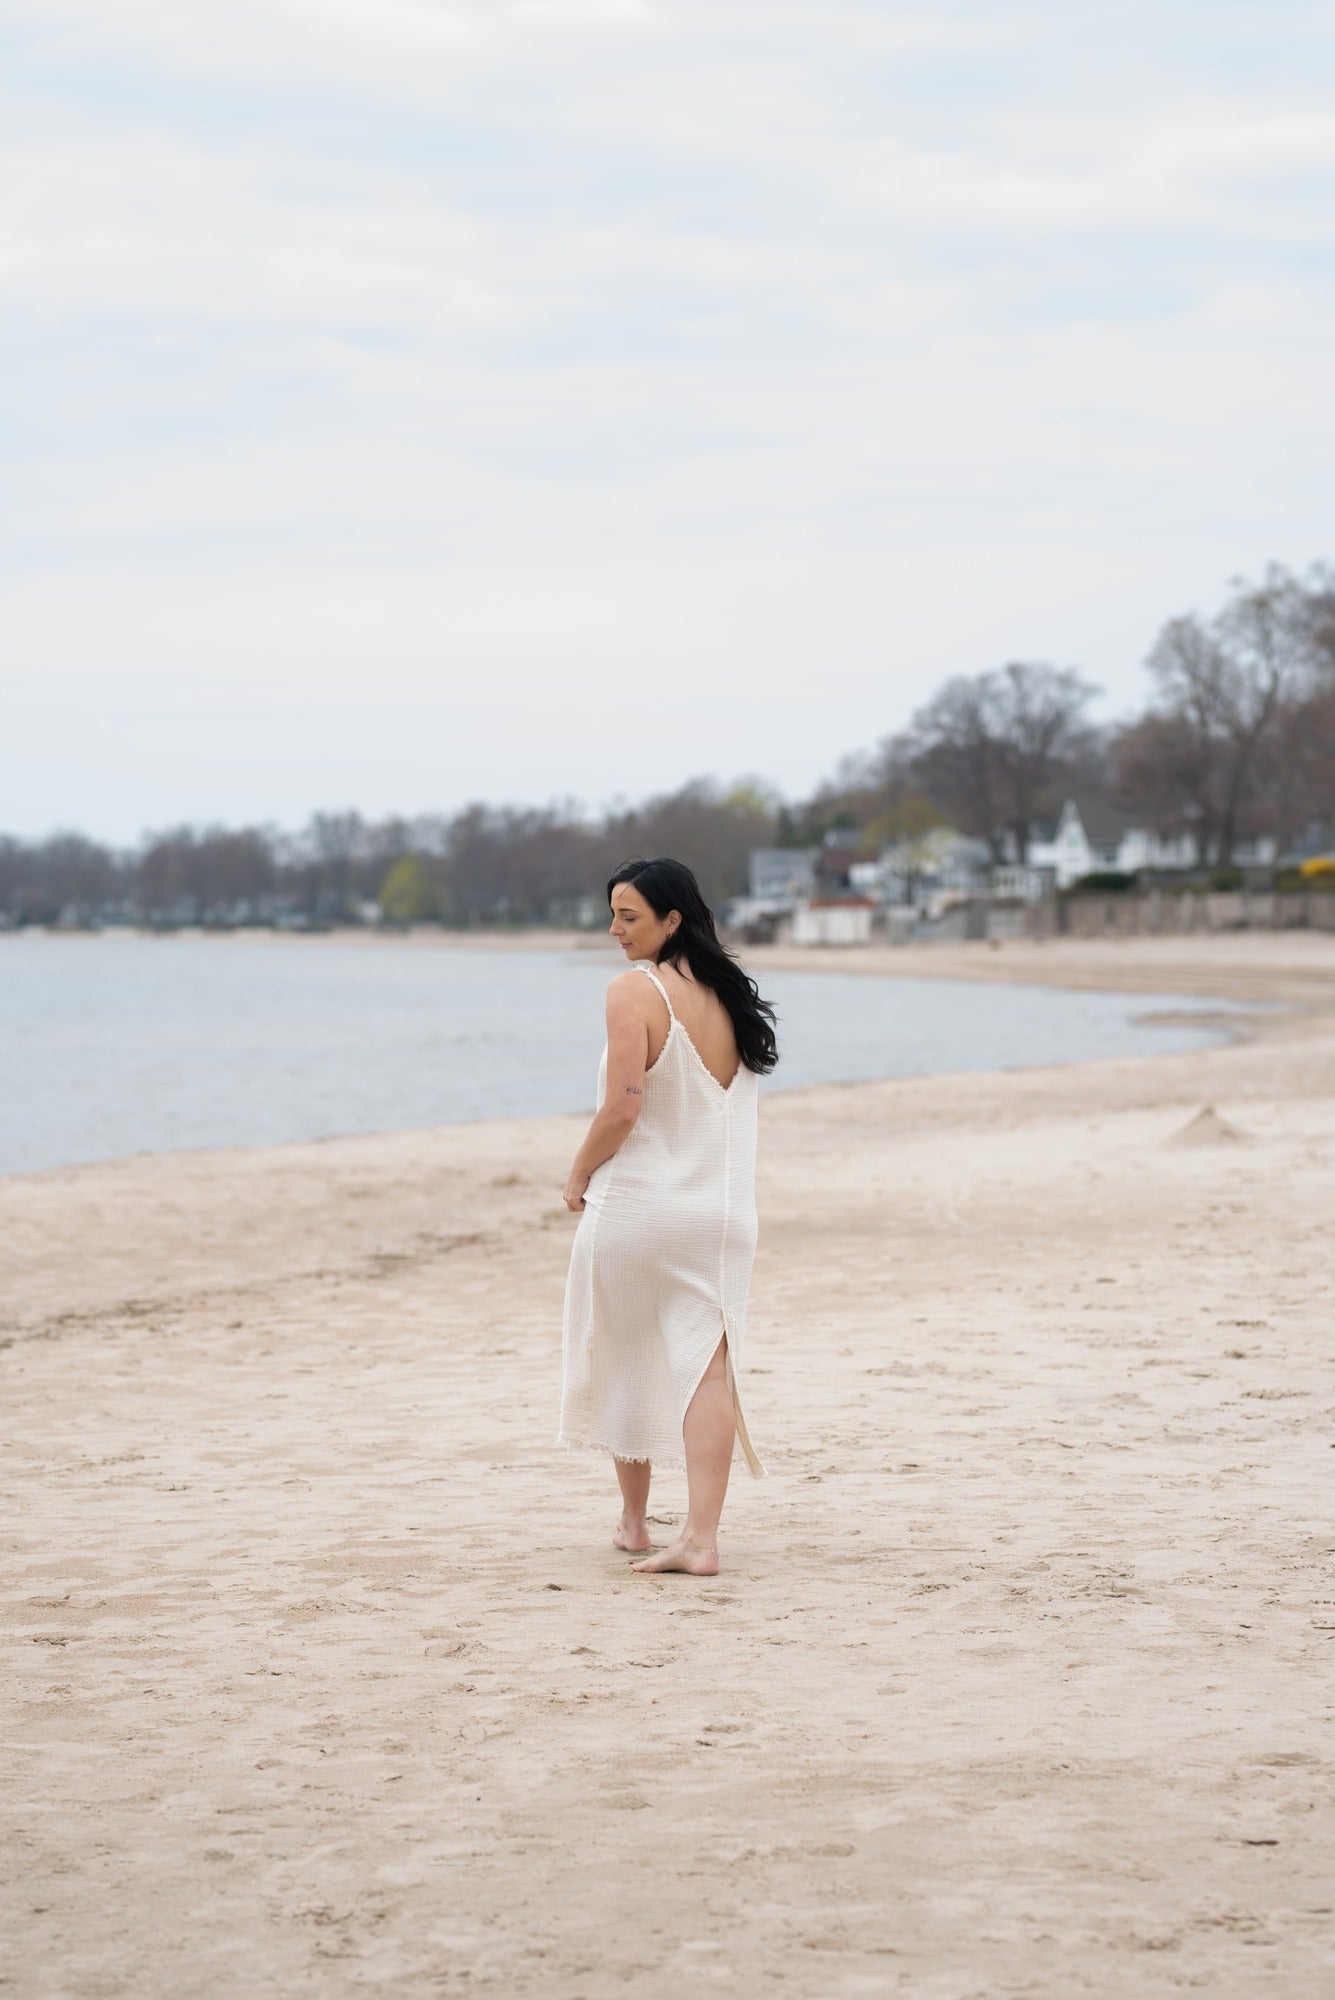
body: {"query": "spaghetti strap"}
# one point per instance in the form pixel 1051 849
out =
pixel 642 965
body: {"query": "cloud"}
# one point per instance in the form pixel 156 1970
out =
pixel 155 226
pixel 513 361
pixel 416 48
pixel 1185 167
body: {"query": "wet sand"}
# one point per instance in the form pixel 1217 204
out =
pixel 323 1678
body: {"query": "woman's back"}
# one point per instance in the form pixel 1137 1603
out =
pixel 704 1019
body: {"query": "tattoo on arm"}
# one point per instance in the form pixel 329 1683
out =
pixel 633 1090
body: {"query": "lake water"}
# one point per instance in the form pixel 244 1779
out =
pixel 122 1044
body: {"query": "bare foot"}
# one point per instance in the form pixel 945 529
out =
pixel 631 1535
pixel 691 1557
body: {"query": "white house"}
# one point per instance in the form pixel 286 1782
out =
pixel 1092 837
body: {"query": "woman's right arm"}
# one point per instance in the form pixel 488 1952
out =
pixel 627 1060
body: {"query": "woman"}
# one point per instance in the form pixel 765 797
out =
pixel 664 1186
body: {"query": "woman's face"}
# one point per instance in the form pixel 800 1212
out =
pixel 635 926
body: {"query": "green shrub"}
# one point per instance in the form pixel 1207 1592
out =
pixel 408 893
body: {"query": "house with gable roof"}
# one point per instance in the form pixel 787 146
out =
pixel 1092 836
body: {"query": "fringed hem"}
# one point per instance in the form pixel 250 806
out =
pixel 626 1457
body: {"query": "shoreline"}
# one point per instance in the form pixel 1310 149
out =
pixel 1218 1030
pixel 1235 979
pixel 1285 968
pixel 1223 1031
pixel 276 1177
pixel 1295 966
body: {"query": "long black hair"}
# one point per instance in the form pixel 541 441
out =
pixel 668 885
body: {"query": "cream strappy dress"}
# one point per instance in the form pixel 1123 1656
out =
pixel 661 1264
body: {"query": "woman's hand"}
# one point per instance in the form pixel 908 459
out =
pixel 574 1193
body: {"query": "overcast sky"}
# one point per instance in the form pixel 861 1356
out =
pixel 410 401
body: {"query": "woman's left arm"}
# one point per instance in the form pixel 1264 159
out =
pixel 627 1059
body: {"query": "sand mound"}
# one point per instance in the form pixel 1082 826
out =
pixel 1207 1128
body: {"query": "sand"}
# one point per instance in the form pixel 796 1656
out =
pixel 322 1678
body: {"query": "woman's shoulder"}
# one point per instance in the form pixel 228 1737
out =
pixel 630 989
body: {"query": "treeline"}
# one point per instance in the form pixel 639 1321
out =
pixel 485 865
pixel 1237 741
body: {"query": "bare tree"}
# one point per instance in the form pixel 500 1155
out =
pixel 958 758
pixel 213 875
pixel 1295 773
pixel 1039 719
pixel 336 842
pixel 1224 686
pixel 711 829
pixel 512 864
pixel 1265 638
pixel 854 795
pixel 65 877
pixel 167 884
pixel 1162 775
pixel 990 746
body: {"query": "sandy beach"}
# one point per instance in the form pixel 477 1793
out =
pixel 322 1676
